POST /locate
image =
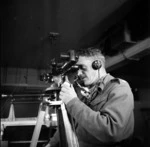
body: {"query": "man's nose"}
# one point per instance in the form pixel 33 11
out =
pixel 79 72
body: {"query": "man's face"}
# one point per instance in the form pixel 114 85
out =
pixel 87 74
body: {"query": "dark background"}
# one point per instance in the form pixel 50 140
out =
pixel 33 32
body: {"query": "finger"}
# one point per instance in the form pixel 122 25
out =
pixel 66 79
pixel 65 89
pixel 65 84
pixel 60 95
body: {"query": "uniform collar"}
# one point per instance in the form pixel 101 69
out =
pixel 104 80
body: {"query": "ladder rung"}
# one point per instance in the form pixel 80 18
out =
pixel 26 141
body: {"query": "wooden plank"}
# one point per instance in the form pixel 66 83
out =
pixel 38 126
pixel 21 122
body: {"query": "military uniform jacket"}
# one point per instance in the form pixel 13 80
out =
pixel 107 118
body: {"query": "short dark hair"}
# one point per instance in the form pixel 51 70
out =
pixel 92 52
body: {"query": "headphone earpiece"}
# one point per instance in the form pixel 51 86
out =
pixel 96 64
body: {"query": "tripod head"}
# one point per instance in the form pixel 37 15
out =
pixel 59 70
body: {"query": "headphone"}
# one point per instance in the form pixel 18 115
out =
pixel 96 64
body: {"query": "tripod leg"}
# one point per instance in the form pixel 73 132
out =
pixel 61 129
pixel 70 132
pixel 38 126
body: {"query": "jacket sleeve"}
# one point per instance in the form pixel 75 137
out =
pixel 113 122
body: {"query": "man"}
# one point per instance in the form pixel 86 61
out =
pixel 103 114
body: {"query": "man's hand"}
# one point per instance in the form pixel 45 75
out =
pixel 67 92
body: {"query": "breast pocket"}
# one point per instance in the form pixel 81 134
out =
pixel 98 103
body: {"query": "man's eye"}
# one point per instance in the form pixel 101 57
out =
pixel 82 68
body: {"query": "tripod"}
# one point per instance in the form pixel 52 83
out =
pixel 71 139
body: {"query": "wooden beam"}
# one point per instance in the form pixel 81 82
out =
pixel 136 51
pixel 21 122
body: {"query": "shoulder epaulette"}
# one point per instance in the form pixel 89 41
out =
pixel 116 80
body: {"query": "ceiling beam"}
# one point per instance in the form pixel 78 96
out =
pixel 135 52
